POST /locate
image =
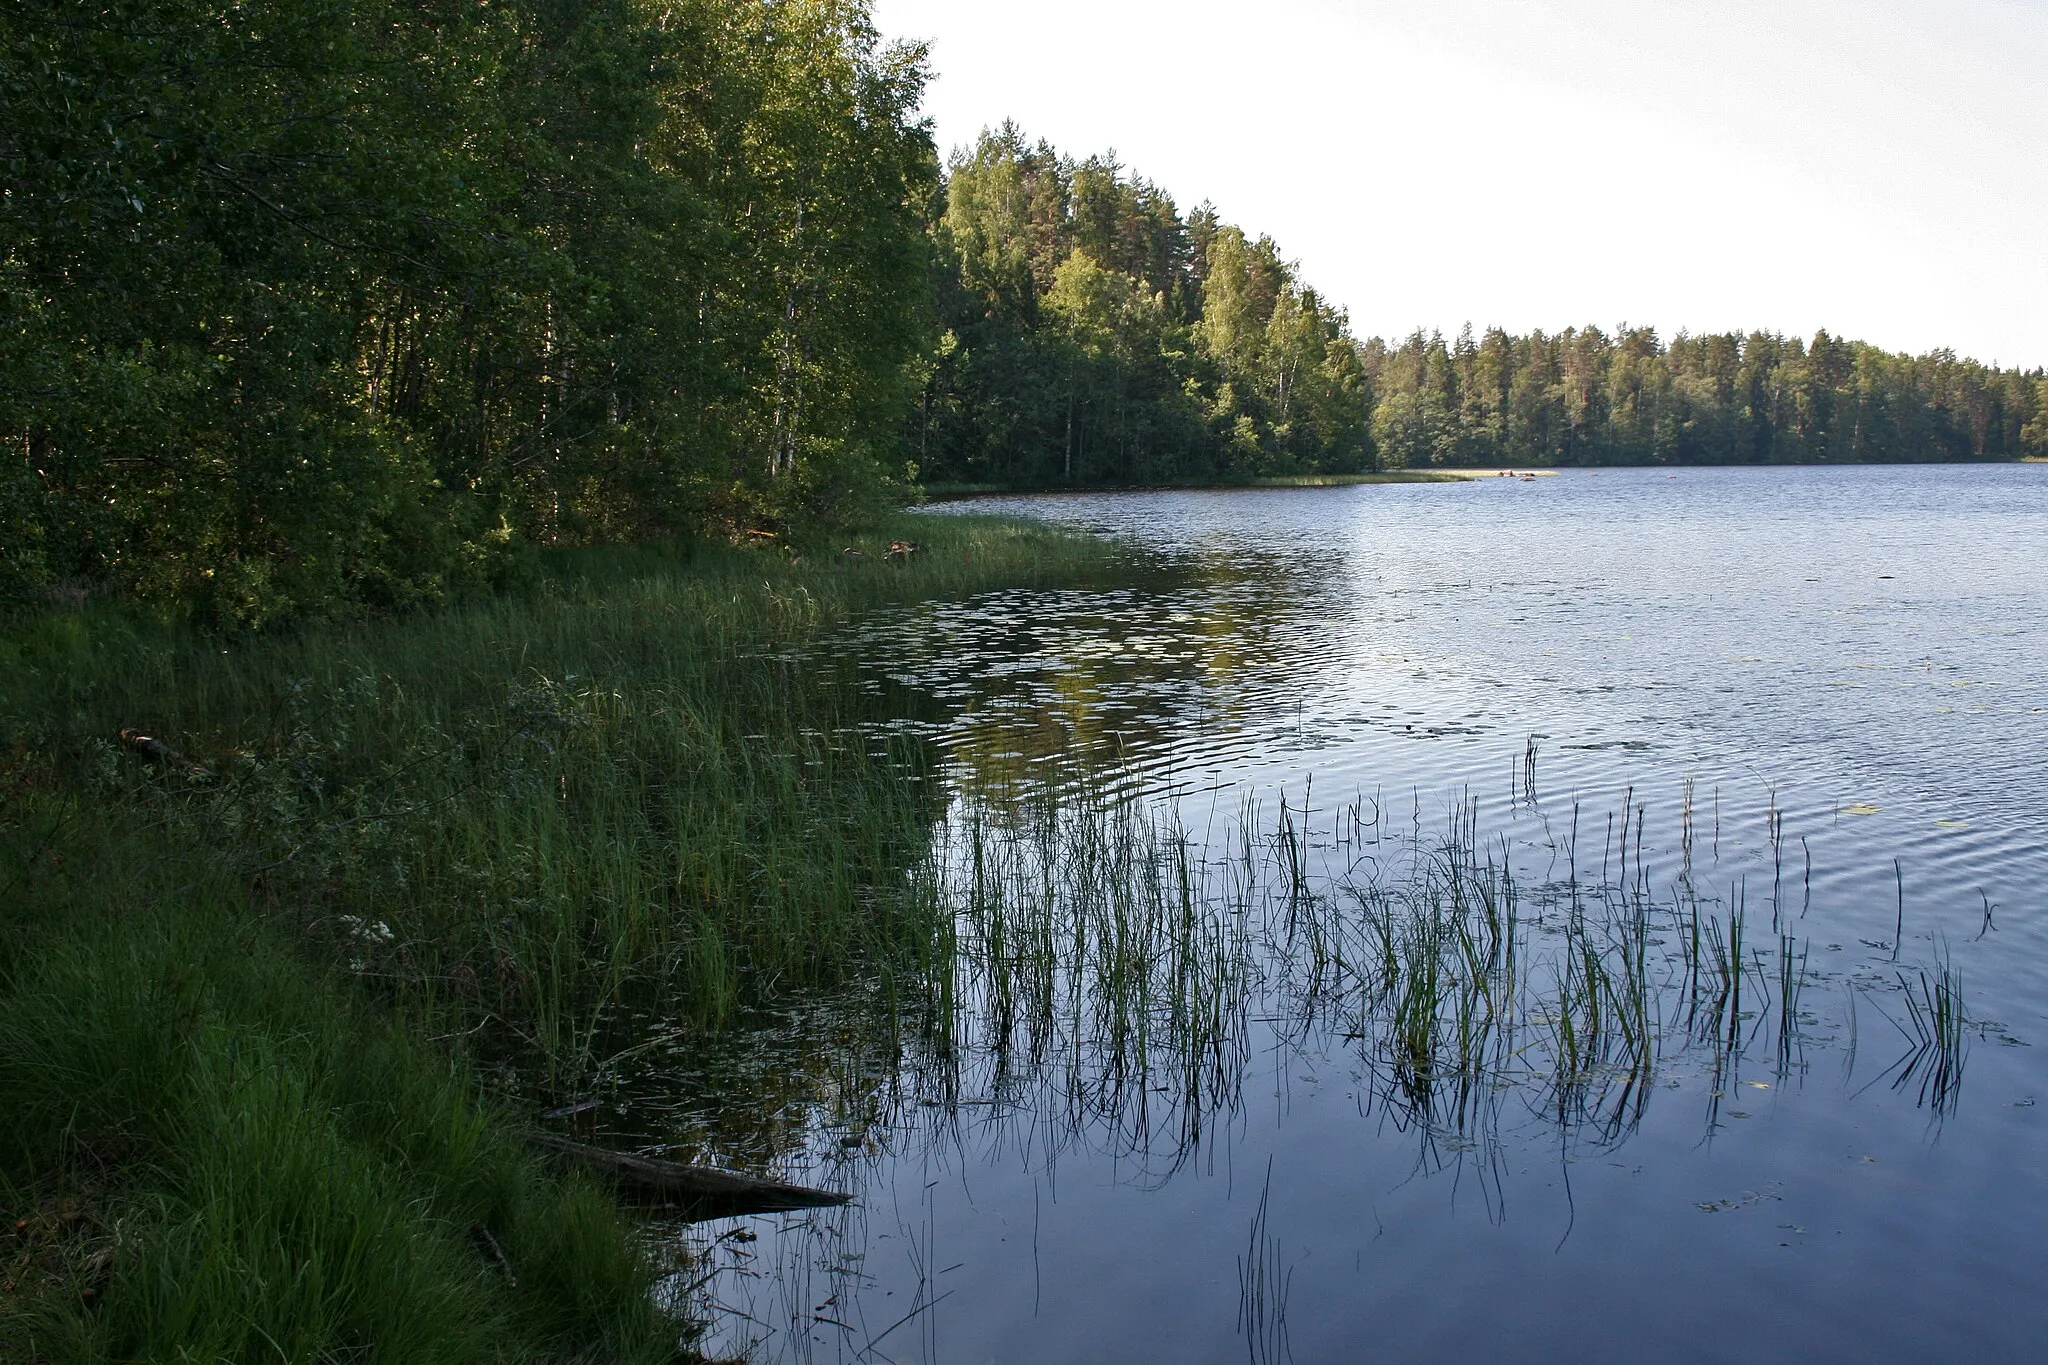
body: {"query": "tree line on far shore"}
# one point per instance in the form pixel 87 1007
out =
pixel 311 306
pixel 1583 396
pixel 1092 334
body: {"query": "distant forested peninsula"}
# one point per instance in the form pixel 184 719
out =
pixel 312 306
pixel 1095 335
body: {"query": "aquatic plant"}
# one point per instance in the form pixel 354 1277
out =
pixel 1110 962
pixel 271 900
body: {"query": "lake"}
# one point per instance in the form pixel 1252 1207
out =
pixel 1593 917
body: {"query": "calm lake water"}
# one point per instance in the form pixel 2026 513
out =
pixel 1624 705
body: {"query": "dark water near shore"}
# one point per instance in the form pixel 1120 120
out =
pixel 1819 695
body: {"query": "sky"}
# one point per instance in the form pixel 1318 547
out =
pixel 1875 167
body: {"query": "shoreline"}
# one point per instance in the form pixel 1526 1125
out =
pixel 947 492
pixel 944 491
pixel 255 1009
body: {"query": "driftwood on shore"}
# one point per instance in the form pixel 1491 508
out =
pixel 704 1191
pixel 159 753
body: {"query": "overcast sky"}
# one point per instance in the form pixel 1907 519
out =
pixel 1876 167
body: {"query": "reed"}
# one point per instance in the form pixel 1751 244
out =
pixel 1937 1035
pixel 624 786
pixel 1113 963
pixel 294 921
pixel 1264 1281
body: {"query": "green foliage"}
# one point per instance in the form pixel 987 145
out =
pixel 616 787
pixel 1094 336
pixel 522 826
pixel 212 1152
pixel 1583 397
pixel 309 305
pixel 2034 435
pixel 1091 335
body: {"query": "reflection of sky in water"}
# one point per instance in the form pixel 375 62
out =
pixel 1857 650
pixel 1878 628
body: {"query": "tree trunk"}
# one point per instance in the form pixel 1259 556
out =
pixel 705 1191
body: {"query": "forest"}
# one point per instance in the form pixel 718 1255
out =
pixel 315 307
pixel 1092 334
pixel 312 304
pixel 1582 396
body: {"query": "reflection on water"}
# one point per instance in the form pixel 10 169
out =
pixel 1540 918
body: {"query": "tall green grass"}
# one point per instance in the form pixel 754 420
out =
pixel 620 787
pixel 247 976
pixel 213 1149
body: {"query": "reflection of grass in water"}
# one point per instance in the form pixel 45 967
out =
pixel 1934 1014
pixel 1109 974
pixel 1263 1281
pixel 1090 942
pixel 1114 961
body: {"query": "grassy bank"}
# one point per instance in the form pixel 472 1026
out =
pixel 278 980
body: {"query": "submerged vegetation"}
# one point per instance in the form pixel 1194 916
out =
pixel 1126 974
pixel 304 927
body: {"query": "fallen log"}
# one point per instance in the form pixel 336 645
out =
pixel 705 1191
pixel 158 752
